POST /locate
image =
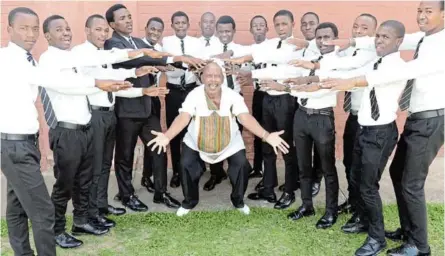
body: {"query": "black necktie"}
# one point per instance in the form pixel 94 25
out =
pixel 375 112
pixel 312 73
pixel 183 83
pixel 406 95
pixel 229 77
pixel 355 52
pixel 279 44
pixel 48 110
pixel 348 95
pixel 109 94
pixel 207 41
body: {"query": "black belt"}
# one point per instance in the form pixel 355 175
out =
pixel 10 136
pixel 73 126
pixel 426 114
pixel 322 111
pixel 187 87
pixel 102 108
pixel 376 127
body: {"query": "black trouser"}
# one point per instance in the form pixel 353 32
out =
pixel 127 132
pixel 104 128
pixel 278 114
pixel 317 130
pixel 419 144
pixel 257 112
pixel 173 102
pixel 148 168
pixel 372 148
pixel 349 136
pixel 27 197
pixel 73 169
pixel 191 173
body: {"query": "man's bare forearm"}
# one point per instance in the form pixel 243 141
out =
pixel 251 124
pixel 180 122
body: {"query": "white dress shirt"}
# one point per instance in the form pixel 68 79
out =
pixel 428 70
pixel 232 104
pixel 157 46
pixel 19 89
pixel 206 48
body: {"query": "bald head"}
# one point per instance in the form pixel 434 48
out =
pixel 207 24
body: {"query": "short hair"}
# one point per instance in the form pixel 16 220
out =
pixel 258 16
pixel 157 19
pixel 311 13
pixel 225 19
pixel 180 14
pixel 91 18
pixel 15 11
pixel 284 13
pixel 48 21
pixel 369 16
pixel 208 13
pixel 396 25
pixel 109 15
pixel 328 25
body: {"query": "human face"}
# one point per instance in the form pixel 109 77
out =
pixel 387 41
pixel 207 25
pixel 180 26
pixel 363 26
pixel 430 17
pixel 323 35
pixel 283 26
pixel 123 22
pixel 97 33
pixel 259 30
pixel 24 31
pixel 59 34
pixel 225 32
pixel 212 77
pixel 154 32
pixel 309 23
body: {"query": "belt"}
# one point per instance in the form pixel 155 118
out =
pixel 10 136
pixel 102 108
pixel 426 114
pixel 186 87
pixel 73 126
pixel 322 111
pixel 376 127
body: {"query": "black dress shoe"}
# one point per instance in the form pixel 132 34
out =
pixel 407 250
pixel 166 199
pixel 327 221
pixel 355 225
pixel 315 189
pixel 281 187
pixel 213 181
pixel 285 201
pixel 255 174
pixel 135 204
pixel 148 184
pixel 260 195
pixel 101 221
pixel 66 240
pixel 345 207
pixel 371 247
pixel 353 220
pixel 301 212
pixel 397 235
pixel 88 229
pixel 259 186
pixel 112 210
pixel 175 181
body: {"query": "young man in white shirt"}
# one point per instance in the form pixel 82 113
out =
pixel 24 82
pixel 207 25
pixel 210 112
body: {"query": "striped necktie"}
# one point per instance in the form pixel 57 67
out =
pixel 229 77
pixel 348 95
pixel 183 83
pixel 375 111
pixel 312 73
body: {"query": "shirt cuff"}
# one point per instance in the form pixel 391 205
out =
pixel 170 60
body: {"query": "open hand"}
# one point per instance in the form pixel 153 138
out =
pixel 155 54
pixel 274 140
pixel 160 141
pixel 312 87
pixel 142 71
pixel 196 63
pixel 297 80
pixel 154 91
pixel 302 64
pixel 112 85
pixel 272 85
pixel 338 84
pixel 299 43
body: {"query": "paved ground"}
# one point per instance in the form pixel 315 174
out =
pixel 218 199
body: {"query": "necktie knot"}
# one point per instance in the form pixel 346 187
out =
pixel 207 41
pixel 376 65
pixel 279 44
pixel 355 52
pixel 30 58
pixel 225 48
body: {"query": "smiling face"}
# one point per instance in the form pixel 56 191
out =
pixel 154 32
pixel 430 17
pixel 98 32
pixel 387 41
pixel 24 30
pixel 212 77
pixel 225 32
pixel 207 25
pixel 59 34
pixel 322 35
pixel 123 22
pixel 283 26
pixel 180 26
pixel 309 23
pixel 363 26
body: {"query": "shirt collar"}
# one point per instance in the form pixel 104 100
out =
pixel 435 36
pixel 14 47
pixel 90 45
pixel 391 56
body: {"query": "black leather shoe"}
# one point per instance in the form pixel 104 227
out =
pixel 285 201
pixel 148 184
pixel 66 240
pixel 88 229
pixel 259 186
pixel 166 199
pixel 397 235
pixel 301 212
pixel 355 228
pixel 255 174
pixel 281 188
pixel 213 181
pixel 175 181
pixel 101 221
pixel 327 221
pixel 407 250
pixel 135 204
pixel 353 220
pixel 371 247
pixel 315 189
pixel 260 195
pixel 345 207
pixel 112 210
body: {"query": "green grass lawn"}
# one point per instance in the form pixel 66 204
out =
pixel 263 232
